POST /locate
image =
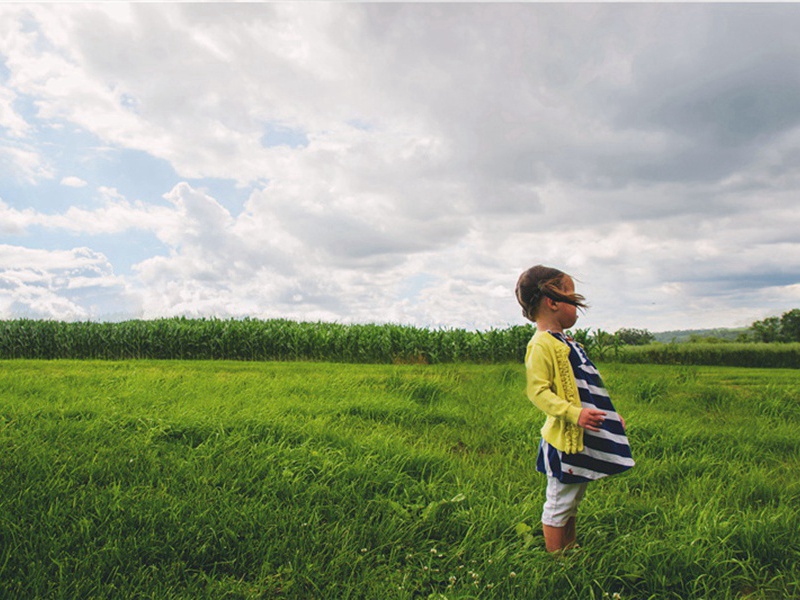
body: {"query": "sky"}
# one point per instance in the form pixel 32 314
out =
pixel 399 163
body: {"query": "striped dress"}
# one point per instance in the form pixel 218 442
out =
pixel 605 452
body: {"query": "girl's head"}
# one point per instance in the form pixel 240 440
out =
pixel 540 282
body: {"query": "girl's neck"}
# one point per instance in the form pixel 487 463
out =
pixel 545 324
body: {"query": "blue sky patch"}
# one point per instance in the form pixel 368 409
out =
pixel 276 134
pixel 360 124
pixel 412 286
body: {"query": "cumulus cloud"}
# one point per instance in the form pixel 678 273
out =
pixel 69 285
pixel 10 120
pixel 21 163
pixel 406 161
pixel 72 181
pixel 115 215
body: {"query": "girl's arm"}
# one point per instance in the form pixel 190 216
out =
pixel 541 375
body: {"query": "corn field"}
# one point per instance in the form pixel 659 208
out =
pixel 251 339
pixel 733 354
pixel 285 340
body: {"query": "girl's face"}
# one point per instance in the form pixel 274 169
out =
pixel 567 314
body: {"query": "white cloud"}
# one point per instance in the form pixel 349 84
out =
pixel 13 221
pixel 22 164
pixel 647 149
pixel 10 120
pixel 72 181
pixel 115 216
pixel 70 285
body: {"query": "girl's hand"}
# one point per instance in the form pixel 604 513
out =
pixel 591 419
pixel 621 420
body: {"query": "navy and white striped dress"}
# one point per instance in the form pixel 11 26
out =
pixel 605 452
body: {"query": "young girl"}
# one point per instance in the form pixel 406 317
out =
pixel 583 437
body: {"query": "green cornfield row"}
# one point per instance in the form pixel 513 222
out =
pixel 284 340
pixel 252 339
pixel 758 355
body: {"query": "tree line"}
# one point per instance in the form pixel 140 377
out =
pixel 785 329
pixel 775 329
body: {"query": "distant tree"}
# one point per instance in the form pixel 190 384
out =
pixel 767 330
pixel 634 337
pixel 774 329
pixel 790 325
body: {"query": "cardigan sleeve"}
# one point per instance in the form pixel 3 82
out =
pixel 541 374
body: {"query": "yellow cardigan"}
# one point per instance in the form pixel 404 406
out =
pixel 552 388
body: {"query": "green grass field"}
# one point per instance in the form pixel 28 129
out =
pixel 162 480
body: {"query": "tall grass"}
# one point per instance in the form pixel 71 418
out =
pixel 178 480
pixel 732 354
pixel 279 339
pixel 252 339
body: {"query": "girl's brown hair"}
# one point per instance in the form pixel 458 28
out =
pixel 543 282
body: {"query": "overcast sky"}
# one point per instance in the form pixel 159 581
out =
pixel 399 162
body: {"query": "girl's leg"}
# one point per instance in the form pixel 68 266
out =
pixel 570 534
pixel 559 538
pixel 561 506
pixel 555 538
